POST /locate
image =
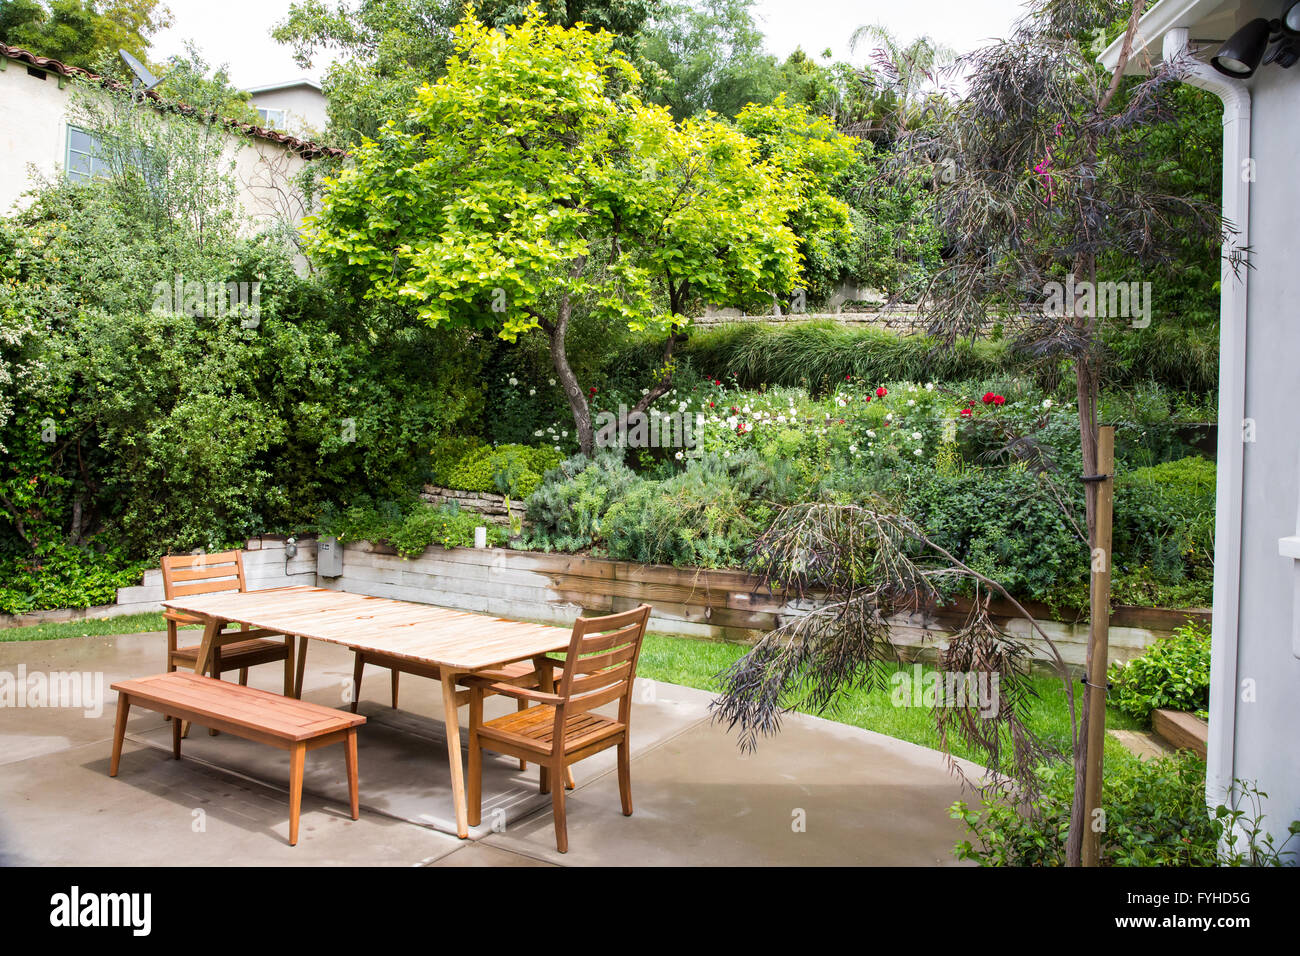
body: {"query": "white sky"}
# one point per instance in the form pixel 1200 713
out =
pixel 237 32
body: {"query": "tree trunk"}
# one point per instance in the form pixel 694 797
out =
pixel 556 333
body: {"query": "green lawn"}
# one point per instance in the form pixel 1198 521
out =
pixel 696 663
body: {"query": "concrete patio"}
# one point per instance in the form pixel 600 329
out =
pixel 863 798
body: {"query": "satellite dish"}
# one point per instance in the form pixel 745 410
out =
pixel 144 80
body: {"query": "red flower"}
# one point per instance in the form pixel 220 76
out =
pixel 965 413
pixel 592 390
pixel 848 378
pixel 866 398
pixel 998 400
pixel 734 410
pixel 989 397
pixel 710 404
pixel 882 392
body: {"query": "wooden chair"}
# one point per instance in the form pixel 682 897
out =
pixel 185 574
pixel 559 728
pixel 522 673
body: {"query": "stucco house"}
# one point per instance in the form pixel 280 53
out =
pixel 1242 50
pixel 298 106
pixel 38 135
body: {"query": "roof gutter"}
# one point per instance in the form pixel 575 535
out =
pixel 1232 415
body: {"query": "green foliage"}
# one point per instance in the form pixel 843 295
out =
pixel 1004 523
pixel 1155 816
pixel 707 516
pixel 386 49
pixel 59 575
pixel 78 32
pixel 468 465
pixel 410 527
pixel 567 512
pixel 1164 531
pixel 820 354
pixel 1173 673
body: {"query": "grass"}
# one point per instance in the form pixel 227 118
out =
pixel 90 627
pixel 696 663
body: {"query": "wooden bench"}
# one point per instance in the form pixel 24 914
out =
pixel 293 725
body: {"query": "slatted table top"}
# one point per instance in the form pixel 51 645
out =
pixel 419 632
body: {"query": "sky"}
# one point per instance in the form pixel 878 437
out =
pixel 237 32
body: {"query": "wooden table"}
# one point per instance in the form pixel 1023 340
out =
pixel 457 642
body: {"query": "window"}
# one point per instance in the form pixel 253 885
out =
pixel 273 119
pixel 85 157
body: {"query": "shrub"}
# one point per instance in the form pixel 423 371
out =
pixel 65 576
pixel 1175 673
pixel 468 465
pixel 706 517
pixel 409 527
pixel 1164 531
pixel 1155 816
pixel 568 509
pixel 1002 522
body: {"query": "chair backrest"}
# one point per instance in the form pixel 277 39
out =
pixel 202 573
pixel 601 662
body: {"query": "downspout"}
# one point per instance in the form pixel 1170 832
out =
pixel 1232 413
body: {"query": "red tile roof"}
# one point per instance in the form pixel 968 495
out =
pixel 304 148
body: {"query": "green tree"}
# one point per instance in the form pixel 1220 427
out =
pixel 79 31
pixel 530 182
pixel 390 47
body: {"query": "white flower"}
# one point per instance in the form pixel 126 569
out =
pixel 1047 403
pixel 551 380
pixel 929 386
pixel 678 456
pixel 513 380
pixel 532 391
pixel 917 452
pixel 538 433
pixel 889 417
pixel 840 402
pixel 726 454
pixel 911 403
pixel 564 434
pixel 853 449
pixel 870 433
pixel 916 436
pixel 645 391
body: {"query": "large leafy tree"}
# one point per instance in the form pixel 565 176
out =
pixel 78 32
pixel 388 48
pixel 529 184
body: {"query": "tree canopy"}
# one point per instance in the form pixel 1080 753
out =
pixel 530 180
pixel 78 32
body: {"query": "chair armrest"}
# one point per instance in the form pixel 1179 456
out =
pixel 510 690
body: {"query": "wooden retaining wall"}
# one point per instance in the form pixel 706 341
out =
pixel 728 605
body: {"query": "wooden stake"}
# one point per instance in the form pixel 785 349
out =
pixel 1098 648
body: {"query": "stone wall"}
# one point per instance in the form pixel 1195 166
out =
pixel 491 506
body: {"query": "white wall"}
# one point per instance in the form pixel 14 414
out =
pixel 34 133
pixel 305 107
pixel 1266 749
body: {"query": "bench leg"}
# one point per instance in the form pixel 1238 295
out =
pixel 453 752
pixel 350 746
pixel 396 675
pixel 119 732
pixel 176 739
pixel 297 760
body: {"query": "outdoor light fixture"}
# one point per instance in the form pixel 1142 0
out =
pixel 1240 56
pixel 1290 22
pixel 1245 49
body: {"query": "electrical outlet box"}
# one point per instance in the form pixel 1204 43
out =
pixel 329 558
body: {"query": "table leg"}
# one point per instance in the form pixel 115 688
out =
pixel 452 717
pixel 211 628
